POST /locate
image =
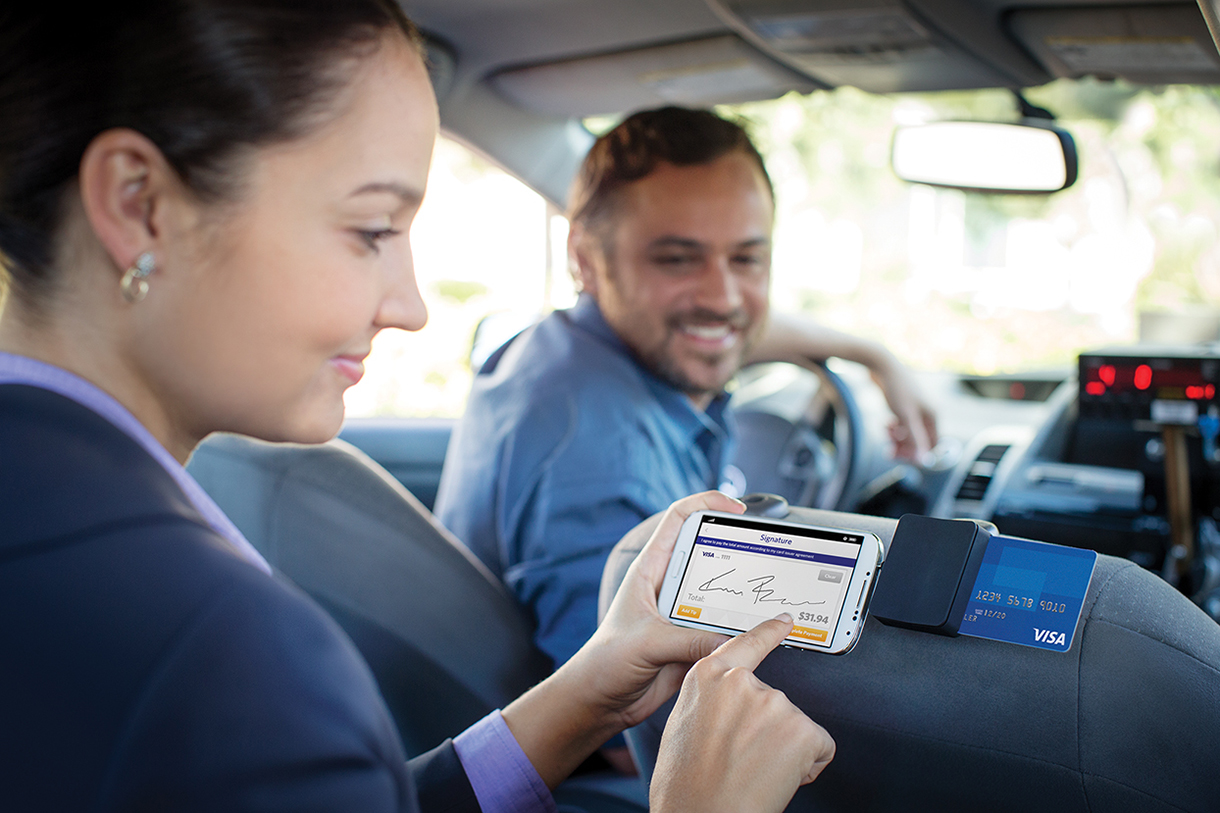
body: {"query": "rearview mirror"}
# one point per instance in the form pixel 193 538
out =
pixel 1028 158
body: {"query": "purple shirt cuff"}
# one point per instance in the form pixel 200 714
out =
pixel 503 779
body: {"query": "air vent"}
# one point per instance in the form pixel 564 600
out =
pixel 980 474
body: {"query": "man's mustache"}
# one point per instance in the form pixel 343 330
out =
pixel 737 318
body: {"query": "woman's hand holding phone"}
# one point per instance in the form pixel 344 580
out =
pixel 732 742
pixel 726 723
pixel 633 663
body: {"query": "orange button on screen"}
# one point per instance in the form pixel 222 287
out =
pixel 808 634
pixel 689 612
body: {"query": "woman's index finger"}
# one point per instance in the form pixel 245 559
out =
pixel 750 648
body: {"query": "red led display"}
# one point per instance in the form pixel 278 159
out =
pixel 1178 381
pixel 1143 377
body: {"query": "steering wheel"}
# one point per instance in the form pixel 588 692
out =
pixel 800 434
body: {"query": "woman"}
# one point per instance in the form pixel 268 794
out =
pixel 204 210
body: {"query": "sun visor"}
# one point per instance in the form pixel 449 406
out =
pixel 875 45
pixel 698 73
pixel 1152 44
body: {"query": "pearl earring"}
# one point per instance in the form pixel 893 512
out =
pixel 135 282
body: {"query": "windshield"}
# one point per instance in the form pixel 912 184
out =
pixel 977 283
pixel 968 283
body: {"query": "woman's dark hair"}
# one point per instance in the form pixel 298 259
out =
pixel 202 79
pixel 632 150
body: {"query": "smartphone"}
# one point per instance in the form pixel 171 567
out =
pixel 730 572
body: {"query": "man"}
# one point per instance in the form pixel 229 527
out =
pixel 600 416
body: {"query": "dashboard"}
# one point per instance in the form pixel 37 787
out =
pixel 1119 458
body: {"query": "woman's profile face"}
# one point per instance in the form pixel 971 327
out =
pixel 270 304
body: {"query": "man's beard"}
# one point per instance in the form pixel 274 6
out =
pixel 663 365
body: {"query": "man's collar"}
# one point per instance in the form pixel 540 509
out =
pixel 587 315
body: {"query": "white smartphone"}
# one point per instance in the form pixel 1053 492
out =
pixel 730 572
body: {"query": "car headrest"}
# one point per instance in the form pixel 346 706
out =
pixel 428 617
pixel 1127 719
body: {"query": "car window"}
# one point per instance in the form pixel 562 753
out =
pixel 484 244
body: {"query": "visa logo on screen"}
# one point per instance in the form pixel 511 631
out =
pixel 1050 637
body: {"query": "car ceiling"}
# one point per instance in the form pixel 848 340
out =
pixel 516 77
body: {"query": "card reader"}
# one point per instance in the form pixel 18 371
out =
pixel 930 568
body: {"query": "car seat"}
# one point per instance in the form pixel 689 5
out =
pixel 429 618
pixel 1128 719
pixel 444 638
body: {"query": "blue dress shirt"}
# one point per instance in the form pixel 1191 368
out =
pixel 567 443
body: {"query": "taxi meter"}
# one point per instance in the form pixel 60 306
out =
pixel 1149 385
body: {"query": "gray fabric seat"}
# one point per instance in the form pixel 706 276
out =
pixel 430 619
pixel 1127 720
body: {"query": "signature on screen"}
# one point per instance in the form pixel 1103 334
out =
pixel 762 593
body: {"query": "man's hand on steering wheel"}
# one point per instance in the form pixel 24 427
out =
pixel 797 338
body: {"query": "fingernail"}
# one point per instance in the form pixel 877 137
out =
pixel 787 619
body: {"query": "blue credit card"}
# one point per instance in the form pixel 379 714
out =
pixel 1029 593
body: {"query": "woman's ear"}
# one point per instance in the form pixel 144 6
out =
pixel 125 182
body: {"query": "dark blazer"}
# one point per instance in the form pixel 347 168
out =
pixel 143 666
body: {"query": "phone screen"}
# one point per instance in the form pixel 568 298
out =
pixel 742 572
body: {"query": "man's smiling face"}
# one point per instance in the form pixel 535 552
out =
pixel 685 268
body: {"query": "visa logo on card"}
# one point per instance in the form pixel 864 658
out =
pixel 1029 593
